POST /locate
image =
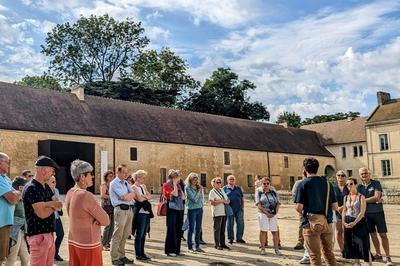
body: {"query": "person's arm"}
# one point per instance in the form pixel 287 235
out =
pixel 139 197
pixel 12 197
pixel 121 194
pixel 213 200
pixel 193 195
pixel 103 192
pixel 45 209
pixel 95 210
pixel 147 193
pixel 299 208
pixel 375 198
pixel 344 209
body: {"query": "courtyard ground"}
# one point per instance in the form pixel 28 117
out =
pixel 241 254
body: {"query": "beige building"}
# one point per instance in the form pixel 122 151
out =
pixel 346 140
pixel 383 136
pixel 107 132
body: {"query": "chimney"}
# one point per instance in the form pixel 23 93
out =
pixel 79 92
pixel 383 97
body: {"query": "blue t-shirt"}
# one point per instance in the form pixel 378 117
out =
pixel 369 191
pixel 339 197
pixel 235 196
pixel 312 192
pixel 6 209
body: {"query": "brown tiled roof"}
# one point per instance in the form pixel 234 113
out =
pixel 341 131
pixel 388 111
pixel 30 109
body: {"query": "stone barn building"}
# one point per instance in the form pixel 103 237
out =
pixel 108 132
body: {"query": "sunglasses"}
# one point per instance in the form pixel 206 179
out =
pixel 350 184
pixel 266 183
pixel 218 182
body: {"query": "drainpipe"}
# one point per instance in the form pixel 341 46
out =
pixel 269 169
pixel 113 154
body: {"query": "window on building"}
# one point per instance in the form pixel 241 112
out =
pixel 133 154
pixel 349 173
pixel 227 158
pixel 163 175
pixel 292 181
pixel 383 140
pixel 360 151
pixel 226 178
pixel 343 152
pixel 250 181
pixel 286 161
pixel 355 151
pixel 386 169
pixel 203 179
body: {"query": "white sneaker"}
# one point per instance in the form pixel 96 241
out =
pixel 305 260
pixel 278 252
pixel 389 261
pixel 263 252
pixel 191 251
pixel 171 255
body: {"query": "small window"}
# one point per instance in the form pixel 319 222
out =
pixel 250 181
pixel 203 179
pixel 349 173
pixel 226 178
pixel 292 181
pixel 163 175
pixel 286 161
pixel 386 169
pixel 360 151
pixel 133 154
pixel 343 152
pixel 227 158
pixel 355 151
pixel 383 140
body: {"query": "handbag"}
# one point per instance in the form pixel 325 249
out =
pixel 318 222
pixel 228 210
pixel 162 205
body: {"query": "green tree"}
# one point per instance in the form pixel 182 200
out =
pixel 291 118
pixel 129 90
pixel 224 94
pixel 93 48
pixel 332 117
pixel 43 81
pixel 164 71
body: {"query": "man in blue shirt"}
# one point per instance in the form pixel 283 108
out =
pixel 372 191
pixel 8 198
pixel 311 197
pixel 235 196
pixel 122 198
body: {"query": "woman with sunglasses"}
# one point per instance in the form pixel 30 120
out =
pixel 356 236
pixel 341 191
pixel 218 199
pixel 267 201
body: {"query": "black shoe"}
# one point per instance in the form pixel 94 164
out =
pixel 143 258
pixel 125 260
pixel 202 242
pixel 298 246
pixel 230 241
pixel 241 241
pixel 58 258
pixel 219 248
pixel 378 257
pixel 118 263
pixel 226 247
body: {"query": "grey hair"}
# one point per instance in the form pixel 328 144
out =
pixel 190 178
pixel 4 156
pixel 79 167
pixel 173 173
pixel 138 174
pixel 364 169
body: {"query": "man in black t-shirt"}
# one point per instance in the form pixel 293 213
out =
pixel 310 199
pixel 372 191
pixel 39 207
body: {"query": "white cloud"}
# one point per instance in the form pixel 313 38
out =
pixel 317 61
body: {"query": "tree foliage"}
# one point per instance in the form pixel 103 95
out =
pixel 129 90
pixel 94 48
pixel 163 71
pixel 43 81
pixel 224 94
pixel 332 117
pixel 291 118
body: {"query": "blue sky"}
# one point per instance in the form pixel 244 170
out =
pixel 311 57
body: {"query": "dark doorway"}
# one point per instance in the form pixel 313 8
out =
pixel 329 171
pixel 64 152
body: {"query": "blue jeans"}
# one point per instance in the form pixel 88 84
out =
pixel 142 226
pixel 59 234
pixel 238 217
pixel 195 217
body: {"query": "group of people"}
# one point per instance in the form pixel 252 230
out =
pixel 356 208
pixel 31 210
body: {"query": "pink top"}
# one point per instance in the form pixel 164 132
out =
pixel 86 217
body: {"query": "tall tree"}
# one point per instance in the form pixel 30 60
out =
pixel 164 71
pixel 224 94
pixel 332 117
pixel 43 81
pixel 291 118
pixel 93 48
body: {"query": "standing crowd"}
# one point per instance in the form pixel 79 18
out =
pixel 31 227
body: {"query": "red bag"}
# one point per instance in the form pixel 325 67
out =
pixel 162 205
